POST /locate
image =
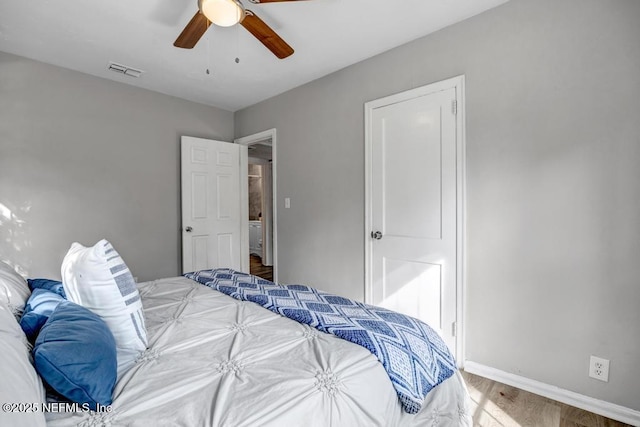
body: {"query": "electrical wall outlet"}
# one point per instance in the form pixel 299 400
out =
pixel 599 368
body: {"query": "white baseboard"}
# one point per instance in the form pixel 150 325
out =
pixel 606 409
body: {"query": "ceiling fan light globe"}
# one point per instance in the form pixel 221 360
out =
pixel 223 13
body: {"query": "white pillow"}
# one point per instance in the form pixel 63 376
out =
pixel 20 387
pixel 14 290
pixel 98 279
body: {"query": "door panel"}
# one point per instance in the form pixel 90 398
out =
pixel 200 251
pixel 199 195
pixel 198 155
pixel 410 139
pixel 413 179
pixel 413 288
pixel 212 214
pixel 226 249
pixel 226 200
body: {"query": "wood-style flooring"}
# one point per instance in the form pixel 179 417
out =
pixel 496 404
pixel 257 269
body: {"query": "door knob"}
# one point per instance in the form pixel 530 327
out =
pixel 376 235
pixel 189 229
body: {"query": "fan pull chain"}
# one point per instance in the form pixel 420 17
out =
pixel 208 56
pixel 237 44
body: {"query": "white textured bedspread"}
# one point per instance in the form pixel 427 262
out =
pixel 216 361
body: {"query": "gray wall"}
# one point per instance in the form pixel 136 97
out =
pixel 553 173
pixel 82 158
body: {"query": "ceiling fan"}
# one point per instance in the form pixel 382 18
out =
pixel 226 13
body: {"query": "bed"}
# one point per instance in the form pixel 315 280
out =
pixel 214 360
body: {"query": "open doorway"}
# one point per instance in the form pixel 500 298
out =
pixel 260 251
pixel 260 200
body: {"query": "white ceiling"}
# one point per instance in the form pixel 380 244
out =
pixel 327 35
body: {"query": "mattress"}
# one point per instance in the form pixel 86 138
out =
pixel 217 361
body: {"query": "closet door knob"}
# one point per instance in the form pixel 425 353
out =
pixel 376 235
pixel 189 229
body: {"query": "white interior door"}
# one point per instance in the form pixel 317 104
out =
pixel 412 182
pixel 215 224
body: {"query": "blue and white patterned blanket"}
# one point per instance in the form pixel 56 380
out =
pixel 414 356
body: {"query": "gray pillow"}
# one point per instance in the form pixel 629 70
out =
pixel 19 383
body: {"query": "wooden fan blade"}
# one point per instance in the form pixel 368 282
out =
pixel 266 35
pixel 192 32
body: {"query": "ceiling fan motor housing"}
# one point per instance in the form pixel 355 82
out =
pixel 224 13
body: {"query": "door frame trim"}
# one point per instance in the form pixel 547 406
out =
pixel 256 138
pixel 456 83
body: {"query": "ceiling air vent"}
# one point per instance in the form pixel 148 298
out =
pixel 123 69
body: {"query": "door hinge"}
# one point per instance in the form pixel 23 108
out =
pixel 453 329
pixel 454 107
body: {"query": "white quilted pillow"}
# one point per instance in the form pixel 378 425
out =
pixel 98 279
pixel 14 290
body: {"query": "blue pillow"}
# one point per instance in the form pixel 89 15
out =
pixel 39 307
pixel 75 354
pixel 48 284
